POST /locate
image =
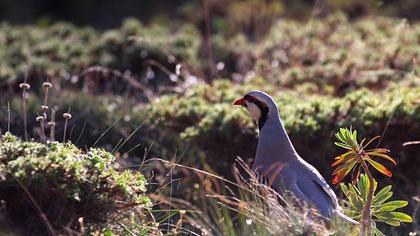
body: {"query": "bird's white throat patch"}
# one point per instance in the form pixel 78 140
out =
pixel 254 110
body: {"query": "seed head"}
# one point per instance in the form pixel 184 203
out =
pixel 67 116
pixel 43 107
pixel 24 86
pixel 39 118
pixel 46 85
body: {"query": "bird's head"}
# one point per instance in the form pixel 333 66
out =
pixel 259 104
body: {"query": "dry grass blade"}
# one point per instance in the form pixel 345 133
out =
pixel 138 128
pixel 106 131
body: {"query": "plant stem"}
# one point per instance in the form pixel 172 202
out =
pixel 8 117
pixel 366 227
pixel 65 131
pixel 52 125
pixel 24 115
pixel 43 139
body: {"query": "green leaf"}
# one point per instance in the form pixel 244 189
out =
pixel 363 186
pixel 382 195
pixel 355 198
pixel 342 145
pixel 392 205
pixel 355 214
pixel 379 201
pixel 350 165
pixel 395 223
pixel 353 189
pixel 344 189
pixel 355 136
pixel 385 216
pixel 339 137
pixel 402 217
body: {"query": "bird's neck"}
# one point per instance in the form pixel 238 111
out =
pixel 274 144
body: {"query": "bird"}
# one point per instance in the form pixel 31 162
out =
pixel 278 163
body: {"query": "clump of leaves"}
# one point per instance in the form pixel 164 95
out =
pixel 358 156
pixel 382 209
pixel 58 184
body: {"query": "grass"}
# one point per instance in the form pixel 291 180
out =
pixel 247 207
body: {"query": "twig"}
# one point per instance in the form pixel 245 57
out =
pixel 44 217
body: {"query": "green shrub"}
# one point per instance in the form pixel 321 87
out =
pixel 64 183
pixel 331 55
pixel 335 54
pixel 64 51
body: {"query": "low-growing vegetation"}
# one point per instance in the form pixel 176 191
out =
pixel 58 188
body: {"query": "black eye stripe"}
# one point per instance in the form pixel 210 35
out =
pixel 250 98
pixel 257 102
pixel 263 108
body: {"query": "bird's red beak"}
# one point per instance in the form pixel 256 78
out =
pixel 239 102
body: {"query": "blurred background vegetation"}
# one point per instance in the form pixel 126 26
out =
pixel 109 14
pixel 174 67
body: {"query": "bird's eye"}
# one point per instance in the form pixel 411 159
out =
pixel 252 99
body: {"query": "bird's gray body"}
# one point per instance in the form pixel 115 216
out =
pixel 277 161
